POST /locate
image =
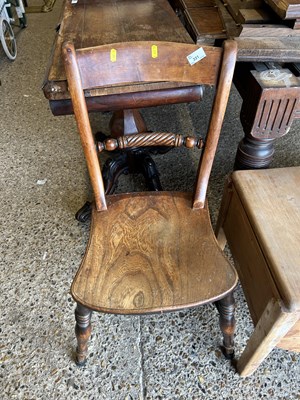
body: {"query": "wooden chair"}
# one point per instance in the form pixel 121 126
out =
pixel 152 251
pixel 260 219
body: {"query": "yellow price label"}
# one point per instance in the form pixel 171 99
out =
pixel 154 51
pixel 113 55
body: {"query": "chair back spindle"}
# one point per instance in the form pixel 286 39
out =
pixel 84 127
pixel 137 62
pixel 216 122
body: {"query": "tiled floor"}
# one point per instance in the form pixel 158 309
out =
pixel 43 183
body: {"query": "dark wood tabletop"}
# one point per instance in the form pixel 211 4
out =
pixel 268 36
pixel 266 30
pixel 94 22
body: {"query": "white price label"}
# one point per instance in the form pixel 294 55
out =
pixel 196 56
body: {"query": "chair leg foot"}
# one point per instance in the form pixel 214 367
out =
pixel 83 333
pixel 79 363
pixel 226 308
pixel 84 213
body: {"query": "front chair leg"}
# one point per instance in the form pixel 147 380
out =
pixel 83 332
pixel 226 308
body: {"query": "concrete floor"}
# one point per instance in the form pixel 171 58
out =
pixel 43 183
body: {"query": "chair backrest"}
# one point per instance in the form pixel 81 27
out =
pixel 136 62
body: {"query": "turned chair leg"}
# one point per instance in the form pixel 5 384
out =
pixel 226 308
pixel 83 332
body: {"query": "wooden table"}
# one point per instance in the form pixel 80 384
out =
pixel 267 74
pixel 259 219
pixel 95 22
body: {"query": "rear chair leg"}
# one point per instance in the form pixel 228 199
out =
pixel 83 332
pixel 226 308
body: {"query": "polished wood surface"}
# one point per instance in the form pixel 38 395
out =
pixel 151 252
pixel 140 62
pixel 273 40
pixel 264 44
pixel 271 102
pixel 83 71
pixel 204 24
pixel 282 49
pixel 84 126
pixel 150 139
pixel 121 21
pixel 231 19
pixel 260 219
pixel 286 9
pixel 202 19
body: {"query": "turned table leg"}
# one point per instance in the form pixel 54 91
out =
pixel 83 332
pixel 253 153
pixel 270 104
pixel 126 122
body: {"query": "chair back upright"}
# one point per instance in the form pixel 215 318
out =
pixel 143 62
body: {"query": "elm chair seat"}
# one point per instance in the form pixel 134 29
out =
pixel 149 253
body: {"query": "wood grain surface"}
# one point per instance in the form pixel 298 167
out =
pixel 260 216
pixel 272 326
pixel 169 60
pixel 121 21
pixel 204 24
pixel 271 198
pixel 146 61
pixel 151 252
pixel 253 271
pixel 283 49
pixel 286 9
pixel 291 340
